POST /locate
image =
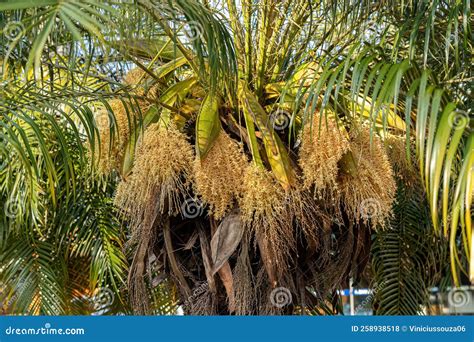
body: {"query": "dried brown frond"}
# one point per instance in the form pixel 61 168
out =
pixel 323 144
pixel 136 282
pixel 202 301
pixel 367 187
pixel 162 166
pixel 218 177
pixel 243 280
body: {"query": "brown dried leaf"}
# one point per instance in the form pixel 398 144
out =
pixel 206 258
pixel 225 273
pixel 225 240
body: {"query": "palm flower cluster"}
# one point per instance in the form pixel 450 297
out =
pixel 219 176
pixel 162 166
pixel 322 147
pixel 352 171
pixel 134 79
pixel 396 147
pixel 265 212
pixel 114 128
pixel 142 87
pixel 117 124
pixel 281 228
pixel 157 182
pixel 367 188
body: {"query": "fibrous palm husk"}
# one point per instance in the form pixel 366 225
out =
pixel 202 301
pixel 243 281
pixel 265 211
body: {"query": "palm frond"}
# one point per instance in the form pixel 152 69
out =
pixel 407 258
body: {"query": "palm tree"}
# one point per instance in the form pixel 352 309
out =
pixel 259 147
